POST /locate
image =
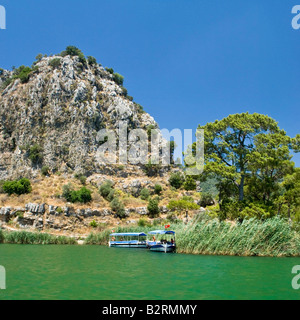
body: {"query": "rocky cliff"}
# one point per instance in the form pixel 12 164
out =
pixel 50 115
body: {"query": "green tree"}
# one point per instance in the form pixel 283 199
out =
pixel 118 208
pixel 19 187
pixel 145 194
pixel 153 208
pixel 190 183
pixel 233 144
pixel 176 180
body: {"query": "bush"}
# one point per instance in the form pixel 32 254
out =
pixel 110 70
pixel 153 208
pixel 190 183
pixel 105 189
pixel 36 154
pixel 73 51
pixel 94 224
pixel 118 208
pixel 145 194
pixel 118 79
pixel 82 195
pixel 22 73
pixel 176 180
pixel 81 178
pixel 158 189
pixel 45 171
pixel 91 60
pixel 152 169
pixel 55 63
pixel 22 186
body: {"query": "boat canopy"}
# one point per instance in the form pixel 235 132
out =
pixel 141 234
pixel 161 232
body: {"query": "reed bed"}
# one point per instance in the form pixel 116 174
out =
pixel 24 237
pixel 273 237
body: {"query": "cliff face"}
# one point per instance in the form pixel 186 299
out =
pixel 56 113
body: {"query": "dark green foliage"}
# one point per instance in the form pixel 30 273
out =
pixel 55 63
pixel 176 180
pixel 119 79
pixel 22 73
pixel 36 154
pixel 145 194
pixel 19 187
pixel 73 51
pixel 110 70
pixel 158 189
pixel 82 195
pixel 45 170
pixel 206 199
pixel 189 184
pixel 118 208
pixel 105 189
pixel 91 60
pixel 81 178
pixel 67 192
pixel 1 72
pixel 152 169
pixel 153 208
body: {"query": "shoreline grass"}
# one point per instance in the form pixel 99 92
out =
pixel 206 236
pixel 25 237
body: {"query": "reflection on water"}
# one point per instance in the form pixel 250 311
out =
pixel 96 272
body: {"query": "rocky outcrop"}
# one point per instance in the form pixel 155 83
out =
pixel 60 111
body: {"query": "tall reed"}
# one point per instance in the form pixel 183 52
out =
pixel 24 237
pixel 273 237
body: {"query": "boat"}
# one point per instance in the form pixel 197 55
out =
pixel 128 240
pixel 162 241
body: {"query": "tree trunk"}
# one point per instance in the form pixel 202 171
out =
pixel 241 188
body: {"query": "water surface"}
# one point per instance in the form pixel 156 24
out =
pixel 102 273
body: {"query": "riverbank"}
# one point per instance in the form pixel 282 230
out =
pixel 203 235
pixel 270 238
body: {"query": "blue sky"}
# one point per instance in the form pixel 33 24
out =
pixel 188 62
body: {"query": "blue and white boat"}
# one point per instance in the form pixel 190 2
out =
pixel 128 240
pixel 162 241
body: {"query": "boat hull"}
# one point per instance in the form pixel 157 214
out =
pixel 162 248
pixel 126 244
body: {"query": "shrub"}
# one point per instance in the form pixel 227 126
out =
pixel 81 178
pixel 118 79
pixel 94 224
pixel 158 189
pixel 152 169
pixel 118 208
pixel 45 170
pixel 106 188
pixel 55 63
pixel 73 51
pixel 153 208
pixel 22 73
pixel 36 154
pixel 110 70
pixel 176 180
pixel 22 186
pixel 145 194
pixel 82 195
pixel 91 60
pixel 190 183
pixel 67 192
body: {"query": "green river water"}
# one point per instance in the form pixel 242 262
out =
pixel 102 273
